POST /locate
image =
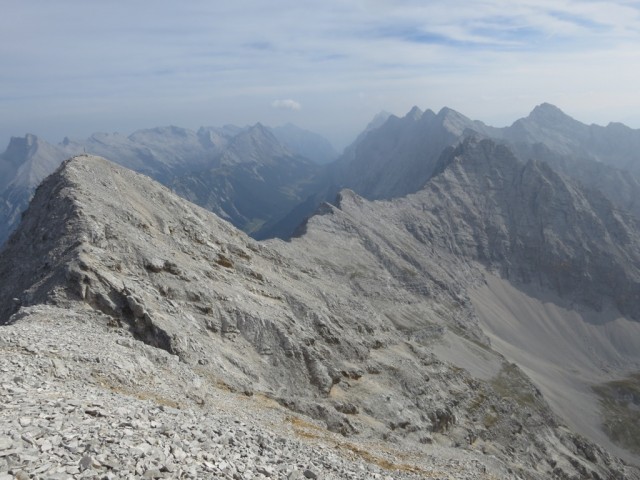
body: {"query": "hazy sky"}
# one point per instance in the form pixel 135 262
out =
pixel 73 67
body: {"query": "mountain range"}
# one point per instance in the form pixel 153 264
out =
pixel 266 181
pixel 468 307
pixel 235 159
pixel 400 155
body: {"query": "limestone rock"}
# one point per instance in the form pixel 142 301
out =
pixel 361 312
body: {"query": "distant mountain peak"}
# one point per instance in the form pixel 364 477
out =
pixel 446 112
pixel 546 111
pixel 415 113
pixel 23 142
pixel 20 148
pixel 305 143
pixel 258 126
pixel 259 130
pixel 255 145
pixel 376 122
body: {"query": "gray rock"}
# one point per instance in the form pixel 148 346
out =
pixel 308 473
pixel 153 473
pixel 86 462
pixel 382 310
pixel 59 368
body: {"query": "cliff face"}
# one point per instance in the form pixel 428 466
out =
pixel 532 224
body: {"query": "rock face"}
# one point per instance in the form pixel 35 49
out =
pixel 532 224
pixel 351 324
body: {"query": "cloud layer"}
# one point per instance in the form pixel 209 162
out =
pixel 72 67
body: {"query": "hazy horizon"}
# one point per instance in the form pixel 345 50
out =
pixel 73 68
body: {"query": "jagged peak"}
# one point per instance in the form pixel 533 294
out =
pixel 475 152
pixel 454 121
pixel 21 148
pixel 378 120
pixel 254 145
pixel 259 127
pixel 415 113
pixel 450 113
pixel 257 132
pixel 546 111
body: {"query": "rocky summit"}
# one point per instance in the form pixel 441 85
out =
pixel 144 337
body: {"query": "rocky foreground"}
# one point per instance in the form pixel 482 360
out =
pixel 82 400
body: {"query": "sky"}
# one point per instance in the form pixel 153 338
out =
pixel 74 67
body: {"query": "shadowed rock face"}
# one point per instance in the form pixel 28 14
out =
pixel 399 156
pixel 532 224
pixel 344 324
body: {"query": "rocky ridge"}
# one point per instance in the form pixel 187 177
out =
pixel 615 144
pixel 566 260
pixel 397 156
pixel 345 324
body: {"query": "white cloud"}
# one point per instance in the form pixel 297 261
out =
pixel 286 104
